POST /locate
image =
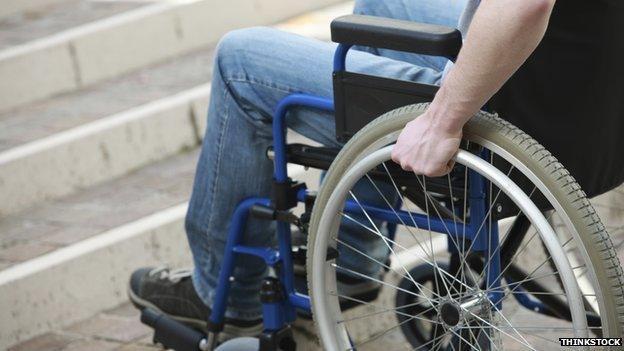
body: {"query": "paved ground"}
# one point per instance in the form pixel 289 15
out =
pixel 116 329
pixel 120 329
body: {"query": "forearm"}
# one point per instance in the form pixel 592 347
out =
pixel 501 37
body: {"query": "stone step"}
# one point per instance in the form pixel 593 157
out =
pixel 45 21
pixel 81 244
pixel 67 259
pixel 25 7
pixel 82 248
pixel 89 53
pixel 57 146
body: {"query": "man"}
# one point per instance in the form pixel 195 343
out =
pixel 257 67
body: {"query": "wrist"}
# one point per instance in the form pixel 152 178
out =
pixel 445 116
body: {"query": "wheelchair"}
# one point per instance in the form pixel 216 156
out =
pixel 503 253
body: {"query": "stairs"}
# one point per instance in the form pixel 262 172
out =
pixel 102 111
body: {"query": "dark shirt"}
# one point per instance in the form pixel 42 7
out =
pixel 569 94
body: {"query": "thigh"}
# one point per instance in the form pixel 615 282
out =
pixel 441 12
pixel 261 66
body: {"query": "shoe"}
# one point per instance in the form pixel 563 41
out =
pixel 355 291
pixel 172 293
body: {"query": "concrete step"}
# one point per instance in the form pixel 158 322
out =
pixel 80 249
pixel 58 146
pixel 82 242
pixel 25 7
pixel 62 144
pixel 45 21
pixel 102 49
pixel 83 247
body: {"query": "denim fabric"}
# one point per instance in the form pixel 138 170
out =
pixel 254 69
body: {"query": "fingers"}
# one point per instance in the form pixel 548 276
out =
pixel 427 168
pixel 425 151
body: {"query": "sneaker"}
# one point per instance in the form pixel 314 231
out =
pixel 358 291
pixel 171 292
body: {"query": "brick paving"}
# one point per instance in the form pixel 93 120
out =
pixel 116 329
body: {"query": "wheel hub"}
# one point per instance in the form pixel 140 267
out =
pixel 450 314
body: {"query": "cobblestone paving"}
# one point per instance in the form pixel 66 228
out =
pixel 116 329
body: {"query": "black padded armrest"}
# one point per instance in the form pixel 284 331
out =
pixel 386 33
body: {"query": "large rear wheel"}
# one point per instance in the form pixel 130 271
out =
pixel 550 282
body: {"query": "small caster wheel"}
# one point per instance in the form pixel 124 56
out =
pixel 240 344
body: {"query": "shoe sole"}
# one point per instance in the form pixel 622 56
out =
pixel 202 325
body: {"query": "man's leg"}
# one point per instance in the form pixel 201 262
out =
pixel 254 69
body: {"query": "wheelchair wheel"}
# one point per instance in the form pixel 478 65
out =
pixel 514 280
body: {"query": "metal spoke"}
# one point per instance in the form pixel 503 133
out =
pixel 487 215
pixel 495 327
pixel 442 271
pixel 394 309
pixel 350 271
pixel 381 264
pixel 385 240
pixel 409 211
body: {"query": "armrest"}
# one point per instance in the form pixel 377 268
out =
pixel 386 33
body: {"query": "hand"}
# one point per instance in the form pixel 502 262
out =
pixel 426 147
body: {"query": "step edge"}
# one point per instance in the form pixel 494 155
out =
pixel 66 36
pixel 86 246
pixel 91 128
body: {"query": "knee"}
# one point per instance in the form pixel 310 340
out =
pixel 235 47
pixel 366 7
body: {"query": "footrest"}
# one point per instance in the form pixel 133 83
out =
pixel 173 334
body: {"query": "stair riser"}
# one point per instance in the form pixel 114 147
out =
pixel 104 49
pixel 87 155
pixel 74 283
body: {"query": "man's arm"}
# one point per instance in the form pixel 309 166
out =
pixel 502 35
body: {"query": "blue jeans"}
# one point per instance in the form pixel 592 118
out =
pixel 254 69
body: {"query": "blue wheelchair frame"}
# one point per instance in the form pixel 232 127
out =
pixel 278 314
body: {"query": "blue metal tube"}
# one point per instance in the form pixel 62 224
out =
pixel 279 127
pixel 493 264
pixel 524 299
pixel 477 210
pixel 444 226
pixel 269 255
pixel 235 235
pixel 300 301
pixel 340 57
pixel 286 268
pixel 389 216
